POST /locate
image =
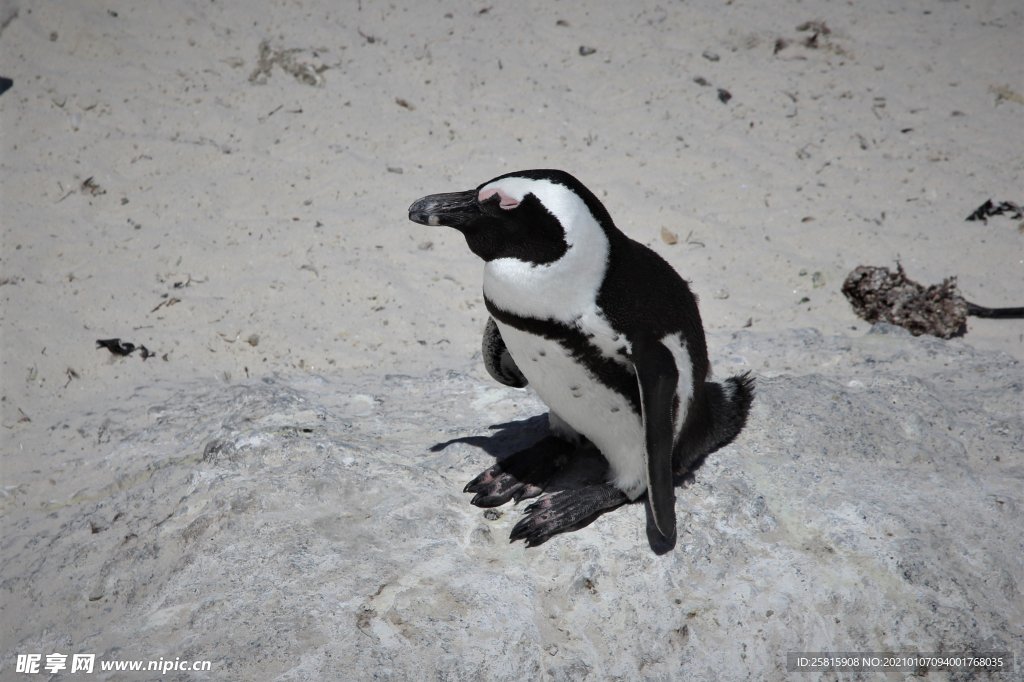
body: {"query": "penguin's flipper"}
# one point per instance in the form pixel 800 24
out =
pixel 520 475
pixel 564 511
pixel 658 377
pixel 498 360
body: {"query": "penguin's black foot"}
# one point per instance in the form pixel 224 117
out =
pixel 564 511
pixel 520 476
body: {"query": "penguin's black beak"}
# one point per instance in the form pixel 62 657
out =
pixel 457 209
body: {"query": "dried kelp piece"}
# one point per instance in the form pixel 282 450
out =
pixel 989 209
pixel 116 346
pixel 291 61
pixel 995 313
pixel 879 295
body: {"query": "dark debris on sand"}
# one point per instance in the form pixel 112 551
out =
pixel 879 295
pixel 989 209
pixel 124 348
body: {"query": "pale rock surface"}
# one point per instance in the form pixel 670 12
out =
pixel 314 528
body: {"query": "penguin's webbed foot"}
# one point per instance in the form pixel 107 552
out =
pixel 521 475
pixel 564 511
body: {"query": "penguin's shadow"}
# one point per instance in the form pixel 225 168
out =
pixel 508 439
pixel 585 467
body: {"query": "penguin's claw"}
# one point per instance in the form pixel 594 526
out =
pixel 493 487
pixel 528 491
pixel 565 511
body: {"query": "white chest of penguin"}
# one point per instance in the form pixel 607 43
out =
pixel 575 396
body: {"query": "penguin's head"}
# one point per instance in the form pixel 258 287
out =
pixel 533 216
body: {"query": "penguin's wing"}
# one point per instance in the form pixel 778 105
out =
pixel 498 360
pixel 657 375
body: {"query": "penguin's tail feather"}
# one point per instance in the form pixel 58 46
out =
pixel 730 404
pixel 721 417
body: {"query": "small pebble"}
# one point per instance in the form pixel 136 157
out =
pixel 585 51
pixel 710 56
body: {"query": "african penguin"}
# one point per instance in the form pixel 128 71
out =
pixel 609 337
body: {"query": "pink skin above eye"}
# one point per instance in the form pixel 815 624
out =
pixel 507 202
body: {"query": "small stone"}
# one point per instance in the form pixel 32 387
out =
pixel 710 56
pixel 721 294
pixel 253 340
pixel 585 51
pixel 668 237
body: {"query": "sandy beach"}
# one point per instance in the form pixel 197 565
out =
pixel 226 185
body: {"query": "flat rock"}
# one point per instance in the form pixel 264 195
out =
pixel 315 528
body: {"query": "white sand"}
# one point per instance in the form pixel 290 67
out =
pixel 276 209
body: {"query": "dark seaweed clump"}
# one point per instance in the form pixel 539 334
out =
pixel 880 295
